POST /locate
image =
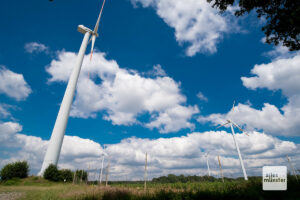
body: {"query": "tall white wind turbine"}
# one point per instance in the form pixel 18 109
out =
pixel 56 140
pixel 231 123
pixel 292 167
pixel 206 155
pixel 101 172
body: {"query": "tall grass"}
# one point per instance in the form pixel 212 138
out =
pixel 38 188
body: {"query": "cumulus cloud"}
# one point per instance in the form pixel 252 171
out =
pixel 4 110
pixel 279 51
pixel 282 74
pixel 196 23
pixel 124 94
pixel 35 47
pixel 202 97
pixel 17 146
pixel 178 155
pixel 7 129
pixel 158 71
pixel 268 118
pixel 13 84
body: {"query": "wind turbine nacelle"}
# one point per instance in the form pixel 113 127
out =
pixel 82 29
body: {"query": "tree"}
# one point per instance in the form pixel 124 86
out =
pixel 81 175
pixel 282 18
pixel 52 173
pixel 18 169
pixel 66 175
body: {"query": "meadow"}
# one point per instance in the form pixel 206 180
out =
pixel 39 188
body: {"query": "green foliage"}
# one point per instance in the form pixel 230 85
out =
pixel 282 18
pixel 81 175
pixel 13 181
pixel 171 178
pixel 117 195
pixel 18 169
pixel 235 189
pixel 52 173
pixel 66 175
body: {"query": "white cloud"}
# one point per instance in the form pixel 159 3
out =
pixel 202 97
pixel 13 84
pixel 18 146
pixel 4 110
pixel 124 94
pixel 158 70
pixel 174 119
pixel 179 155
pixel 281 74
pixel 268 118
pixel 7 129
pixel 279 51
pixel 34 47
pixel 196 23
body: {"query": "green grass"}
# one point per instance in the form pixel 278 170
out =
pixel 38 188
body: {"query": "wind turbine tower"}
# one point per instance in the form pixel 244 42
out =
pixel 221 171
pixel 145 172
pixel 101 172
pixel 206 155
pixel 56 140
pixel 231 123
pixel 292 167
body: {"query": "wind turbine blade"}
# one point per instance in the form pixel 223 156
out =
pixel 223 125
pixel 92 47
pixel 233 105
pixel 98 20
pixel 239 128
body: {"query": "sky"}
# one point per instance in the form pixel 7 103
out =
pixel 164 75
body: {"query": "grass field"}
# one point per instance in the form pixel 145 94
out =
pixel 38 188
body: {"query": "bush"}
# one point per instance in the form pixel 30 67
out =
pixel 18 169
pixel 81 175
pixel 52 173
pixel 66 175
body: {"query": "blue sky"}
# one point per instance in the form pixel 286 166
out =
pixel 194 49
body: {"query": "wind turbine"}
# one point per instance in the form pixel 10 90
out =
pixel 206 155
pixel 231 123
pixel 107 172
pixel 56 140
pixel 221 171
pixel 101 172
pixel 145 172
pixel 292 167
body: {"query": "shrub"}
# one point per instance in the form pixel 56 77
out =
pixel 18 169
pixel 81 175
pixel 52 173
pixel 66 174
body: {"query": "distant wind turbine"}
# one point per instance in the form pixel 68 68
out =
pixel 206 155
pixel 107 172
pixel 231 123
pixel 101 172
pixel 292 167
pixel 221 171
pixel 56 140
pixel 145 173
